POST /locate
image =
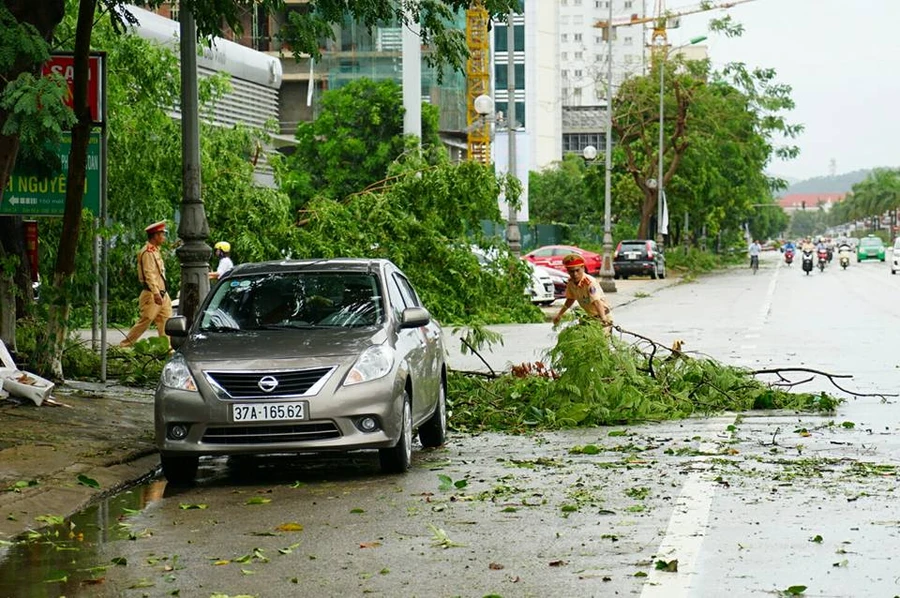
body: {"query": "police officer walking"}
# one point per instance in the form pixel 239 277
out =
pixel 154 303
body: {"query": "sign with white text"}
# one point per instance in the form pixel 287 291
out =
pixel 45 195
pixel 64 65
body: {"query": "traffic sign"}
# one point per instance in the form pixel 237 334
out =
pixel 63 64
pixel 39 195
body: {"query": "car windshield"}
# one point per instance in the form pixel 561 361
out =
pixel 290 300
pixel 871 242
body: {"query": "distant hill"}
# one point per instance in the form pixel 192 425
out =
pixel 839 183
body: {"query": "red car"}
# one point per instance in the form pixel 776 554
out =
pixel 551 256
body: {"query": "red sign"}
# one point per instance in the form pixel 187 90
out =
pixel 31 246
pixel 64 65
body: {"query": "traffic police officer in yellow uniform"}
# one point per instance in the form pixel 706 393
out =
pixel 154 303
pixel 586 290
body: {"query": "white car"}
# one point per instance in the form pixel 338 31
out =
pixel 541 290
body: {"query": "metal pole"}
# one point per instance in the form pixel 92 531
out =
pixel 194 254
pixel 513 238
pixel 95 308
pixel 104 220
pixel 412 78
pixel 607 274
pixel 660 185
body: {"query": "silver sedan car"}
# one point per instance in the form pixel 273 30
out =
pixel 303 356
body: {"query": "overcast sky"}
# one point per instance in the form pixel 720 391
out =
pixel 840 56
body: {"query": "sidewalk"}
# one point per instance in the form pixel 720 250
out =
pixel 50 456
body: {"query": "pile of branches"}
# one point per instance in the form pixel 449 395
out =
pixel 592 378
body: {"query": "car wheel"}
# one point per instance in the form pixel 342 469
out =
pixel 434 431
pixel 663 273
pixel 654 274
pixel 615 276
pixel 179 471
pixel 397 458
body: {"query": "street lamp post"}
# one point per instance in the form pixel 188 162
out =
pixel 607 274
pixel 513 237
pixel 660 181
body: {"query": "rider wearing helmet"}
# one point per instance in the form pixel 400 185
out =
pixel 223 251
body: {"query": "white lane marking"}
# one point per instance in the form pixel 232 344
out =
pixel 770 294
pixel 688 524
pixel 754 335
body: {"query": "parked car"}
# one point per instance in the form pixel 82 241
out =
pixel 558 278
pixel 551 256
pixel 303 356
pixel 870 247
pixel 639 257
pixel 540 288
pixel 895 256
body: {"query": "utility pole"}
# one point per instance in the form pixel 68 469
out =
pixel 193 229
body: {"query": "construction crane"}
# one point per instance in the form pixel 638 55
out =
pixel 662 16
pixel 478 81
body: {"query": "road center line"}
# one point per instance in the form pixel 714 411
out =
pixel 770 295
pixel 687 526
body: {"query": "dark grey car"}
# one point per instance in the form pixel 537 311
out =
pixel 303 356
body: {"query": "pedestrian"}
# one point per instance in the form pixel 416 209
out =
pixel 154 303
pixel 586 290
pixel 223 252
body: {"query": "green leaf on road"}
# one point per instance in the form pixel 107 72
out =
pixel 187 507
pixel 618 433
pixel 817 539
pixel 258 500
pixel 21 484
pixel 640 574
pixel 794 591
pixel 670 566
pixel 848 425
pixel 119 560
pixel 50 519
pixel 357 511
pixel 86 481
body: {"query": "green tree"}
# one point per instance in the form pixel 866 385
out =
pixel 39 19
pixel 361 125
pixel 718 134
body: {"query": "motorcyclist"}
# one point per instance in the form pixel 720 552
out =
pixel 789 246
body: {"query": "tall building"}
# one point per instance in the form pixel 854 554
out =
pixel 584 58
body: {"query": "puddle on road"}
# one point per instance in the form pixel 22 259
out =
pixel 62 559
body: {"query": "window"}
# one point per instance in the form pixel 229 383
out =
pixel 577 37
pixel 578 73
pixel 500 37
pixel 564 37
pixel 576 2
pixel 578 20
pixel 565 56
pixel 501 76
pixel 628 41
pixel 577 92
pixel 629 3
pixel 520 111
pixel 565 74
pixel 579 55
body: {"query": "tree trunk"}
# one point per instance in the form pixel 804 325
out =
pixel 49 361
pixel 648 209
pixel 44 15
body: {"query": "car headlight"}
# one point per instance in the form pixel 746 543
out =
pixel 374 363
pixel 177 375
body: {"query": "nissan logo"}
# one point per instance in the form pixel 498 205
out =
pixel 267 383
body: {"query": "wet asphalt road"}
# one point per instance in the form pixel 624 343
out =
pixel 747 505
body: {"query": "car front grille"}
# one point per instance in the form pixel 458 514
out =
pixel 271 434
pixel 287 383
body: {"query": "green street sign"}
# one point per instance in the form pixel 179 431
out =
pixel 33 195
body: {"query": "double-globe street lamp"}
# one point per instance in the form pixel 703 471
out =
pixel 662 57
pixel 607 274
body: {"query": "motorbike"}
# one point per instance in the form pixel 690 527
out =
pixel 844 257
pixel 788 256
pixel 807 262
pixel 830 253
pixel 823 259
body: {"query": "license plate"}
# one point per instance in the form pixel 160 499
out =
pixel 633 255
pixel 265 412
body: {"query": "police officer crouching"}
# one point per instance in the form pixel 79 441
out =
pixel 154 302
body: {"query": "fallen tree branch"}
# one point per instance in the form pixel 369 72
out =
pixel 784 381
pixel 476 353
pixel 831 378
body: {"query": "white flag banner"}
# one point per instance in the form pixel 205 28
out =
pixel 664 225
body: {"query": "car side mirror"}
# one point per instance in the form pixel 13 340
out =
pixel 414 317
pixel 176 328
